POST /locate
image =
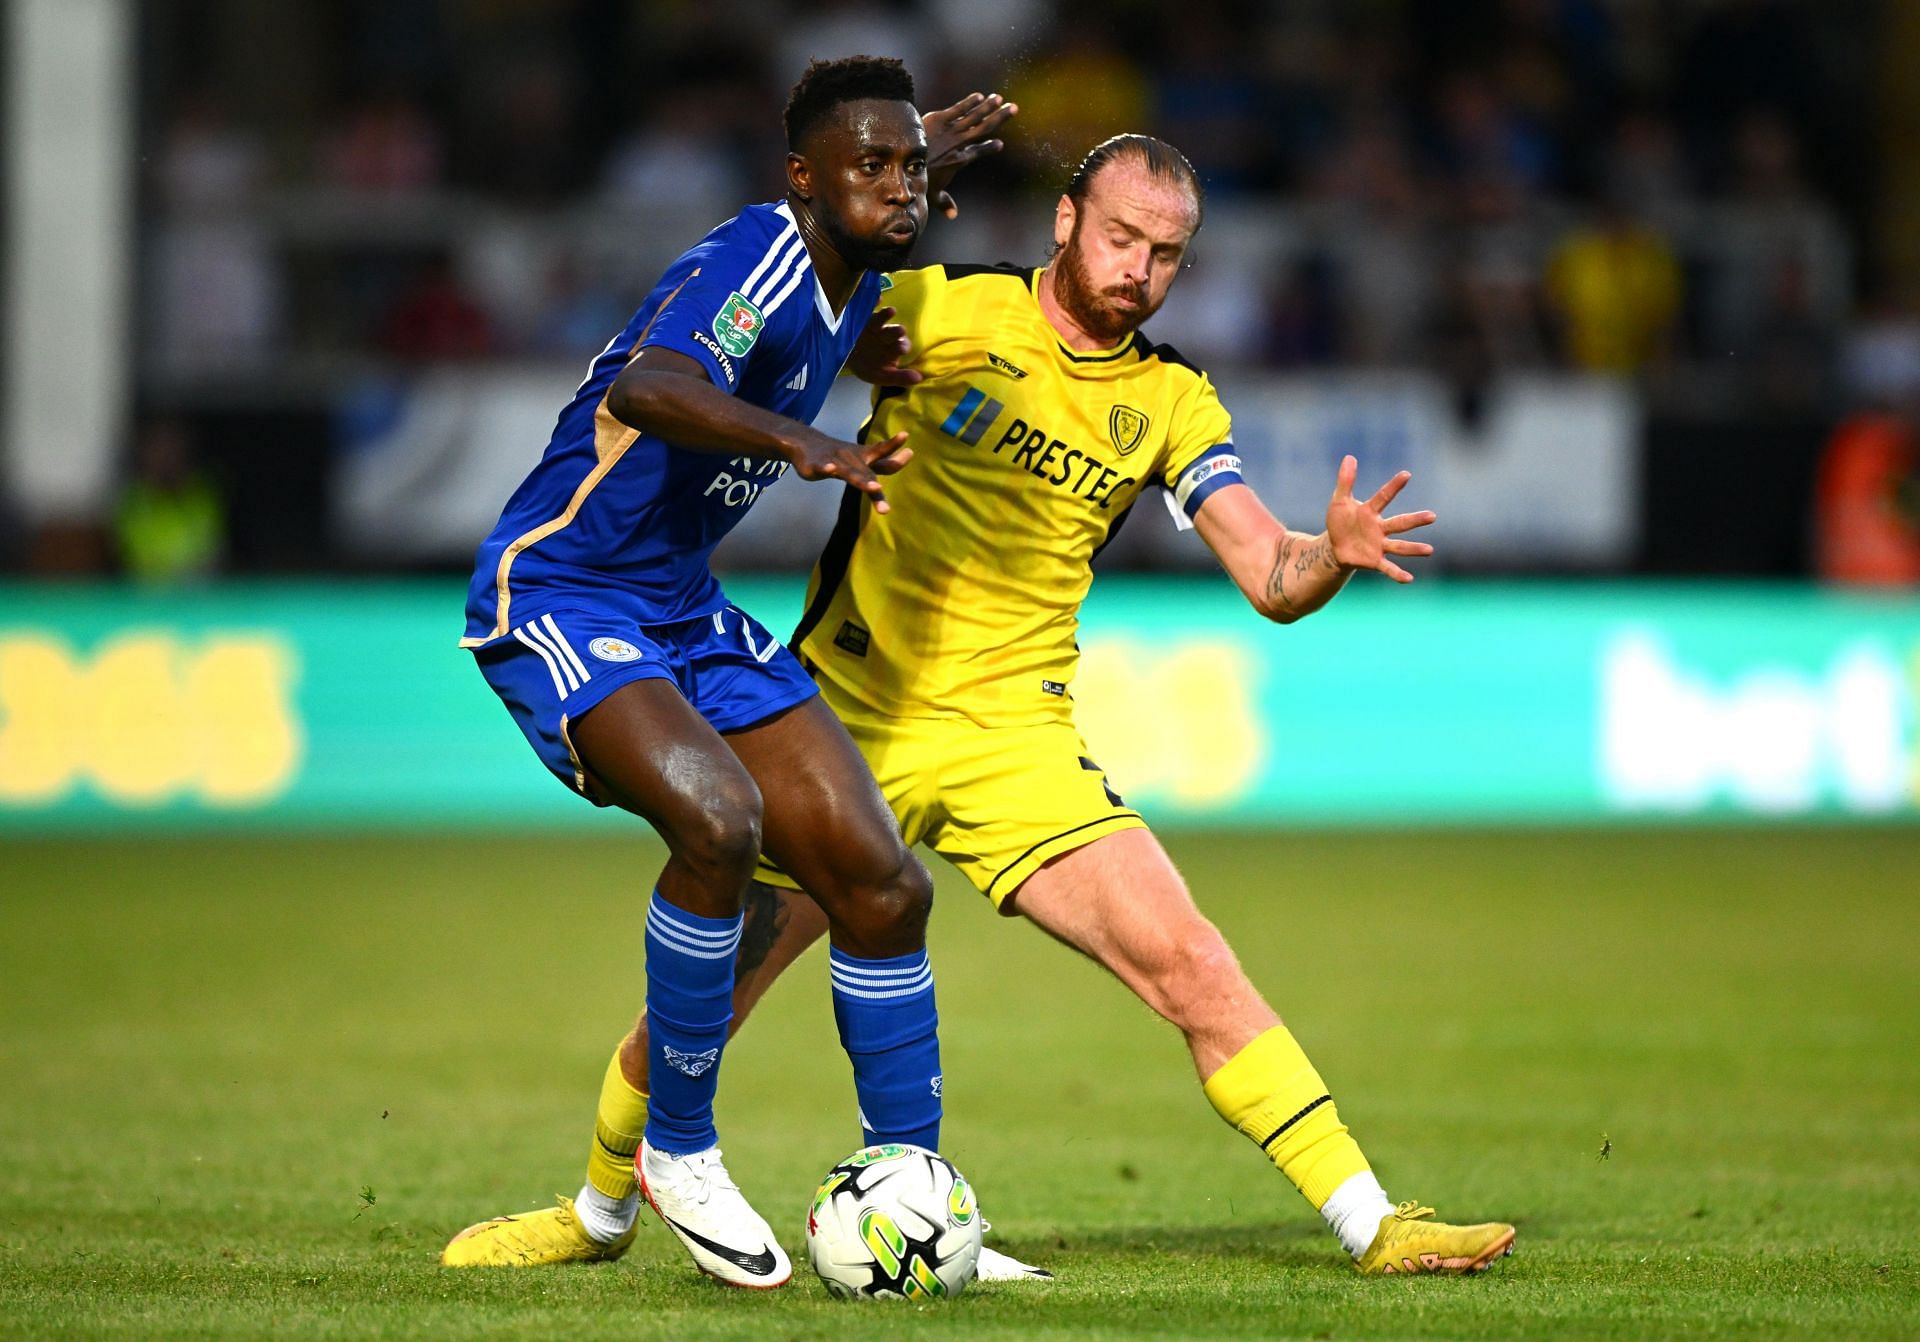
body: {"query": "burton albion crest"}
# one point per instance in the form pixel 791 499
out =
pixel 1127 426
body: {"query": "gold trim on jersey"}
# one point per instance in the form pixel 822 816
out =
pixel 611 439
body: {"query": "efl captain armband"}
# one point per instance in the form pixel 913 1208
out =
pixel 1218 469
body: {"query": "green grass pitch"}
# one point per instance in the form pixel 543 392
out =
pixel 251 1086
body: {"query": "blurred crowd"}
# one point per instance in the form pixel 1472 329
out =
pixel 1677 191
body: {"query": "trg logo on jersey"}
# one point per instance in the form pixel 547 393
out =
pixel 693 1064
pixel 1127 426
pixel 1015 373
pixel 738 324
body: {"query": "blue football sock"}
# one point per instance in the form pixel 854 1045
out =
pixel 889 1027
pixel 689 1005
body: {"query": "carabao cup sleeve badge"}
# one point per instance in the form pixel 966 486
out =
pixel 738 324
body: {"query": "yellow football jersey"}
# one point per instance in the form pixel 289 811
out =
pixel 964 600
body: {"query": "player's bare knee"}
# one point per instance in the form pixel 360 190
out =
pixel 719 835
pixel 888 916
pixel 1195 970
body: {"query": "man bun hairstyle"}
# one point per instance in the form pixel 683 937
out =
pixel 828 84
pixel 1160 160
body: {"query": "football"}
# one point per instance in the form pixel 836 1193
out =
pixel 894 1221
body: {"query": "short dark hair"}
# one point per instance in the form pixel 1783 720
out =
pixel 827 84
pixel 1160 159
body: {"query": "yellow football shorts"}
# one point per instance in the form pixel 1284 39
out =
pixel 996 802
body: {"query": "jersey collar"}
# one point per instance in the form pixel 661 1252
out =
pixel 820 303
pixel 1125 347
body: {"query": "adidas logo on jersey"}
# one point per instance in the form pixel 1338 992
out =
pixel 798 382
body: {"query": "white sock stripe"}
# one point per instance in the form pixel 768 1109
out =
pixel 781 297
pixel 881 984
pixel 560 641
pixel 690 953
pixel 668 931
pixel 774 248
pixel 539 635
pixel 559 689
pixel 796 252
pixel 841 989
pixel 662 910
pixel 923 974
pixel 673 942
pixel 868 970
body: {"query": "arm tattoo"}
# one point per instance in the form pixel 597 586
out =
pixel 766 917
pixel 1305 556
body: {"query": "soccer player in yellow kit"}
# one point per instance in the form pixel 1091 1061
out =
pixel 1038 414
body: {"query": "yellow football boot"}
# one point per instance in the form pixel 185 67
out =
pixel 532 1239
pixel 1408 1241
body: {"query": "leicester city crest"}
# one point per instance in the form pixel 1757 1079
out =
pixel 1127 426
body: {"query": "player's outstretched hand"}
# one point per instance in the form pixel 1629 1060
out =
pixel 958 135
pixel 879 354
pixel 858 464
pixel 1361 535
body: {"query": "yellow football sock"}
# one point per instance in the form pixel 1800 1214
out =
pixel 1270 1092
pixel 617 1128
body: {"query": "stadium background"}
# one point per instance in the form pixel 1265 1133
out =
pixel 1630 287
pixel 1633 286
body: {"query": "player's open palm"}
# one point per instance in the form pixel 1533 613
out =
pixel 958 135
pixel 879 355
pixel 858 464
pixel 1362 535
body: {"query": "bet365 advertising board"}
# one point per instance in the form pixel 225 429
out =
pixel 349 705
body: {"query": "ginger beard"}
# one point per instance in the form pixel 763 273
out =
pixel 1094 309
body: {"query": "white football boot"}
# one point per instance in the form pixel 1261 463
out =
pixel 700 1203
pixel 997 1266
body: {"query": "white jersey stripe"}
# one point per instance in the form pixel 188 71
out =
pixel 768 309
pixel 796 252
pixel 533 631
pixel 547 657
pixel 560 640
pixel 774 249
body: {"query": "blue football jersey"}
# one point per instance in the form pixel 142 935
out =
pixel 628 519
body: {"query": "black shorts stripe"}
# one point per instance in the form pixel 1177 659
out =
pixel 1324 1099
pixel 1055 838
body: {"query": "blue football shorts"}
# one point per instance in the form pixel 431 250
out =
pixel 552 668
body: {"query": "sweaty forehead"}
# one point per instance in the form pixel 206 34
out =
pixel 870 123
pixel 1161 208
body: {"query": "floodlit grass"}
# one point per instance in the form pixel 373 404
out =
pixel 251 1086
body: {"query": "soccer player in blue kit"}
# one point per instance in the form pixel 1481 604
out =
pixel 594 616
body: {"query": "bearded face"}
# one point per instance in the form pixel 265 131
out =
pixel 1120 249
pixel 1108 312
